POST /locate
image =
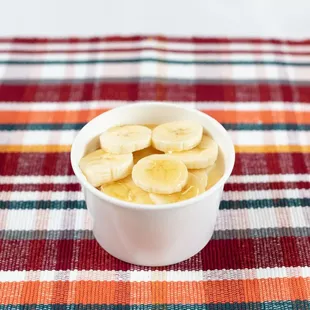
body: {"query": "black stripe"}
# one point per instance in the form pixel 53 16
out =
pixel 78 126
pixel 150 79
pixel 267 305
pixel 217 235
pixel 225 205
pixel 156 60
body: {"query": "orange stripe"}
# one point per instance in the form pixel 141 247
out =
pixel 272 149
pixel 82 116
pixel 238 148
pixel 264 117
pixel 95 292
pixel 34 148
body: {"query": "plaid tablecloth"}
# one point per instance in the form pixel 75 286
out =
pixel 259 256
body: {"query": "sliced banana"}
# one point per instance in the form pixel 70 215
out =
pixel 144 153
pixel 177 136
pixel 192 189
pixel 202 175
pixel 202 156
pixel 216 171
pixel 160 174
pixel 127 190
pixel 100 167
pixel 125 139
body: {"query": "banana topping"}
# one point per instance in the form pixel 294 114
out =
pixel 202 156
pixel 125 139
pixel 126 190
pixel 177 136
pixel 100 167
pixel 192 189
pixel 143 153
pixel 160 174
pixel 154 164
pixel 202 175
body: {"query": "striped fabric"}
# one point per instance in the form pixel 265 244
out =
pixel 259 256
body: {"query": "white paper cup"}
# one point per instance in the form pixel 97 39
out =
pixel 152 235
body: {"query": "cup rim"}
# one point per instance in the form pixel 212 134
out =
pixel 130 205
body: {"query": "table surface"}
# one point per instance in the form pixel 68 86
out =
pixel 259 255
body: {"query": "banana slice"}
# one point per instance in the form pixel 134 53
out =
pixel 202 156
pixel 202 175
pixel 100 167
pixel 127 190
pixel 160 174
pixel 125 139
pixel 177 136
pixel 192 189
pixel 216 171
pixel 144 153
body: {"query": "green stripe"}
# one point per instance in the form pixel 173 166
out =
pixel 11 127
pixel 217 235
pixel 261 233
pixel 153 79
pixel 46 234
pixel 43 205
pixel 158 60
pixel 264 203
pixel 268 305
pixel 266 127
pixel 225 205
pixel 78 126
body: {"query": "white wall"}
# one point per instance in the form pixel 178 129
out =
pixel 258 18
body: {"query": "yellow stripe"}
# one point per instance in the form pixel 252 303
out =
pixel 238 148
pixel 272 149
pixel 34 148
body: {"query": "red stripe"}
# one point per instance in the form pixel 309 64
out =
pixel 218 254
pixel 196 40
pixel 246 163
pixel 72 187
pixel 35 164
pixel 132 91
pixel 178 51
pixel 265 186
pixel 276 163
pixel 71 40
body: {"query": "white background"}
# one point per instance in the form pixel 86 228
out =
pixel 233 18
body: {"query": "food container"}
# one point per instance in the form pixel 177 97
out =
pixel 151 235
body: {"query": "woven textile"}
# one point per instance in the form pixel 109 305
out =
pixel 259 256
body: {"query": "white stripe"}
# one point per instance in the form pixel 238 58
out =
pixel 77 106
pixel 266 194
pixel 93 105
pixel 253 106
pixel 240 138
pixel 149 43
pixel 65 179
pixel 33 219
pixel 154 276
pixel 270 137
pixel 42 195
pixel 167 56
pixel 266 178
pixel 227 195
pixel 126 71
pixel 261 218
